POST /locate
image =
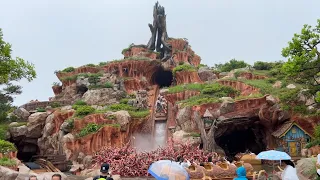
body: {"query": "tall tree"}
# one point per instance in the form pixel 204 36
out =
pixel 304 57
pixel 11 70
pixel 208 138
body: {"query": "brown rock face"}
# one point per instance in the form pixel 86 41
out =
pixel 187 77
pixel 140 51
pixel 57 89
pixel 59 118
pixel 248 75
pixel 174 97
pixel 106 136
pixel 132 85
pixel 242 87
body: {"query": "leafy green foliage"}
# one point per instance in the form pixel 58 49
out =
pixel 55 104
pixel 184 67
pixel 84 110
pixel 124 101
pixel 6 147
pixel 198 100
pixel 219 90
pixel 316 141
pixel 94 78
pixel 68 69
pixel 303 56
pixel 7 162
pixel 103 63
pixel 70 123
pixel 118 107
pixel 260 65
pixel 317 98
pixel 40 110
pixel 3 131
pixel 92 128
pixel 108 85
pixel 231 65
pixel 11 70
pixel 180 88
pixel 90 65
pixel 80 103
pixel 139 114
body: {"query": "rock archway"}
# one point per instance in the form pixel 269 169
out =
pixel 243 135
pixel 162 77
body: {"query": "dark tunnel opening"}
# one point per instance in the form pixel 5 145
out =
pixel 162 77
pixel 240 141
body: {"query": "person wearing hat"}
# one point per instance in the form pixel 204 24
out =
pixel 104 170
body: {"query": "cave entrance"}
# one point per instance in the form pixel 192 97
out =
pixel 241 140
pixel 26 152
pixel 162 77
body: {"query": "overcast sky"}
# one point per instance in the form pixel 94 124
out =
pixel 54 34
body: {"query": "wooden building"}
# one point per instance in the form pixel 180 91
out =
pixel 291 138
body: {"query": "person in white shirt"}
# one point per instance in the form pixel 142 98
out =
pixel 290 172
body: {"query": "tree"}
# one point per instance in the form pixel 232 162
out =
pixel 304 57
pixel 11 70
pixel 208 138
pixel 231 65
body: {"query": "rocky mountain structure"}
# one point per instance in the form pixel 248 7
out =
pixel 123 101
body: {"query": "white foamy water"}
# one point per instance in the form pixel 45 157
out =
pixel 160 131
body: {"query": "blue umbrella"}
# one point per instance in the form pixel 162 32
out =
pixel 168 170
pixel 273 155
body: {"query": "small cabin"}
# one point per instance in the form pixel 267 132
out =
pixel 291 138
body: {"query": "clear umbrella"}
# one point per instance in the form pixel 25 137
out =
pixel 168 170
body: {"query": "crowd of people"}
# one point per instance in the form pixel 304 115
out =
pixel 161 104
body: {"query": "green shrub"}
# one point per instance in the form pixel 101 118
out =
pixel 80 103
pixel 256 95
pixel 132 96
pixel 93 128
pixel 180 88
pixel 218 90
pixel 184 67
pixel 313 143
pixel 198 100
pixel 90 128
pixel 68 69
pixel 238 73
pixel 112 117
pixel 7 162
pixel 231 65
pixel 40 110
pixel 302 109
pixel 70 123
pixel 6 146
pixel 118 107
pixel 139 114
pixel 317 98
pixel 271 80
pixel 55 104
pixel 94 78
pixel 108 85
pixel 84 110
pixel 103 63
pixel 90 65
pixel 3 131
pixel 259 65
pixel 288 95
pixel 124 101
